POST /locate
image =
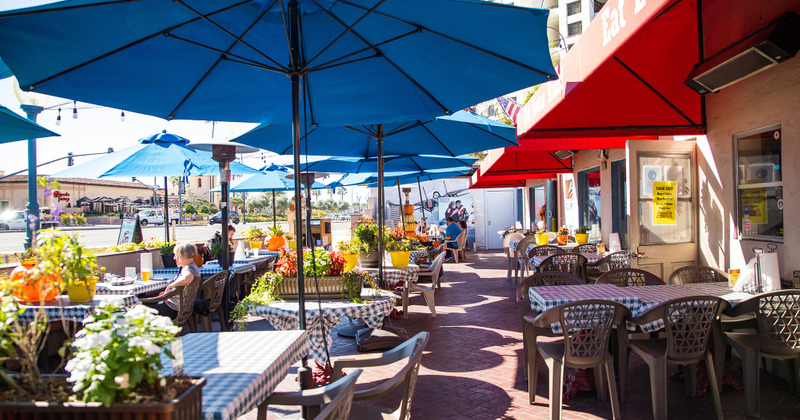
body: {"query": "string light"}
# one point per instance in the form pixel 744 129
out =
pixel 122 116
pixel 58 118
pixel 74 110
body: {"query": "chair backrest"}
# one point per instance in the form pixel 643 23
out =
pixel 586 326
pixel 544 251
pixel 436 268
pixel 216 284
pixel 548 278
pixel 522 246
pixel 461 239
pixel 340 394
pixel 584 248
pixel 629 277
pixel 514 236
pixel 568 262
pixel 188 295
pixel 697 274
pixel 778 315
pixel 688 323
pixel 436 251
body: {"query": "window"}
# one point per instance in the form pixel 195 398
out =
pixel 599 5
pixel 589 197
pixel 575 28
pixel 760 183
pixel 573 8
pixel 4 205
pixel 199 182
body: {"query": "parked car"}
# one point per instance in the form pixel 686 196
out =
pixel 13 219
pixel 151 217
pixel 233 216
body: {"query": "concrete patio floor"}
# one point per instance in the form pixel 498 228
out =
pixel 472 365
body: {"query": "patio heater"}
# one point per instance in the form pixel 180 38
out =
pixel 33 104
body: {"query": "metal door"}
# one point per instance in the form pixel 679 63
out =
pixel 500 214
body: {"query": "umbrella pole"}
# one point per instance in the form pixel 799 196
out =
pixel 166 211
pixel 304 373
pixel 273 210
pixel 421 202
pixel 381 221
pixel 402 216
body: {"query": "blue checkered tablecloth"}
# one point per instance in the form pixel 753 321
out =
pixel 548 297
pixel 393 276
pixel 138 287
pixel 652 296
pixel 591 258
pixel 249 260
pixel 205 269
pixel 268 253
pixel 241 368
pixel 71 311
pixel 417 255
pixel 283 315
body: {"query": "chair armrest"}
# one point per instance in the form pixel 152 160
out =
pixel 161 298
pixel 745 307
pixel 365 360
pixel 652 315
pixel 314 396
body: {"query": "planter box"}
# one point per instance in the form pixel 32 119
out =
pixel 187 406
pixel 330 287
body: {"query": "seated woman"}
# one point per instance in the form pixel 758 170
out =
pixel 184 257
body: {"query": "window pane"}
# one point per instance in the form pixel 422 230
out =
pixel 760 157
pixel 575 28
pixel 676 169
pixel 680 232
pixel 760 211
pixel 573 8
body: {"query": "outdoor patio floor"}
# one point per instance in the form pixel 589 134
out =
pixel 471 367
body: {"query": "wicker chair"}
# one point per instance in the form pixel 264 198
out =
pixel 411 350
pixel 778 319
pixel 697 274
pixel 629 277
pixel 688 323
pixel 213 289
pixel 521 256
pixel 587 327
pixel 510 255
pixel 187 295
pixel 568 262
pixel 614 260
pixel 529 332
pixel 336 397
pixel 585 248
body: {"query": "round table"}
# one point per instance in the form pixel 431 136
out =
pixel 283 315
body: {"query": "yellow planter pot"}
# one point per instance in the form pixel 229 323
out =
pixel 581 238
pixel 400 258
pixel 352 261
pixel 542 239
pixel 291 244
pixel 255 245
pixel 82 290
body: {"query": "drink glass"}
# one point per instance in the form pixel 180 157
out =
pixel 146 263
pixel 601 248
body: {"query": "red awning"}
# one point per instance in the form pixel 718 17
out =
pixel 479 180
pixel 511 166
pixel 624 77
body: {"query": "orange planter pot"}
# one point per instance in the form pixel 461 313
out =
pixel 562 239
pixel 275 243
pixel 30 289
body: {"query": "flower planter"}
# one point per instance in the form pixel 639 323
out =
pixel 581 238
pixel 352 261
pixel 275 243
pixel 542 239
pixel 330 287
pixel 186 406
pixel 562 239
pixel 255 245
pixel 370 259
pixel 168 261
pixel 291 244
pixel 400 258
pixel 82 290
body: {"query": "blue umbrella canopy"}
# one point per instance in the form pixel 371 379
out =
pixel 14 127
pixel 363 61
pixel 265 182
pixel 159 155
pixel 4 70
pixel 391 178
pixel 391 164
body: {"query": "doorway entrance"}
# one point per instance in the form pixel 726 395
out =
pixel 500 214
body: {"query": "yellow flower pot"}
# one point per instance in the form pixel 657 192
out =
pixel 352 261
pixel 255 245
pixel 292 244
pixel 400 258
pixel 581 238
pixel 542 239
pixel 82 290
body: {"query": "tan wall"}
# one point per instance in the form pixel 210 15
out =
pixel 772 96
pixel 17 193
pixel 201 193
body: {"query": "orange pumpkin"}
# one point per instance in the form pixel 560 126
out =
pixel 408 209
pixel 30 289
pixel 275 243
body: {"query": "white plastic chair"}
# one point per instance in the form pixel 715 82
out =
pixel 461 243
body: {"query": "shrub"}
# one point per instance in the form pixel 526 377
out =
pixel 188 208
pixel 80 219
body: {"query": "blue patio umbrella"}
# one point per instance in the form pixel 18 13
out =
pixel 4 70
pixel 358 61
pixel 14 127
pixel 416 163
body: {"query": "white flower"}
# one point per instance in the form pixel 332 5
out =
pixel 115 301
pixel 122 381
pixel 163 382
pixel 145 344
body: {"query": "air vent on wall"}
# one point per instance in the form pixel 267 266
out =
pixel 563 154
pixel 772 45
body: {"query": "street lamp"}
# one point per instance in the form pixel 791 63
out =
pixel 32 103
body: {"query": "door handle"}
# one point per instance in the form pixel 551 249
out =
pixel 638 255
pixel 489 222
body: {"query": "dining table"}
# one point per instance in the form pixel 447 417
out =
pixel 61 308
pixel 591 258
pixel 284 315
pixel 241 368
pixel 396 277
pixel 138 287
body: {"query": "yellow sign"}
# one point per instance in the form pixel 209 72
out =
pixel 754 204
pixel 665 202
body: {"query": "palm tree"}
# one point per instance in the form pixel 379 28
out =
pixel 236 203
pixel 316 194
pixel 342 192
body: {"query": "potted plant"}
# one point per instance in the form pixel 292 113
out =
pixel 582 235
pixel 216 251
pixel 254 235
pixel 562 236
pixel 366 237
pixel 400 251
pixel 113 368
pixel 276 240
pixel 290 242
pixel 167 254
pixel 350 253
pixel 542 236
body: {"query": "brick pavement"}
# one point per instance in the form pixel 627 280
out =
pixel 471 368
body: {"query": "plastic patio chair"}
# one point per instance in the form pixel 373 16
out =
pixel 411 350
pixel 337 399
pixel 568 262
pixel 213 288
pixel 530 332
pixel 587 327
pixel 778 320
pixel 187 295
pixel 697 274
pixel 514 236
pixel 433 271
pixel 688 325
pixel 629 277
pixel 427 291
pixel 585 248
pixel 614 260
pixel 461 244
pixel 520 257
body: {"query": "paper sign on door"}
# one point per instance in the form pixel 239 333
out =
pixel 665 203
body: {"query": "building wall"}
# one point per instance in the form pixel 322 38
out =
pixel 587 159
pixel 772 96
pixel 16 193
pixel 199 186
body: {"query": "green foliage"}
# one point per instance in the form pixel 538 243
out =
pixel 203 209
pixel 253 232
pixel 80 219
pixel 365 235
pixel 582 230
pixel 316 264
pixel 352 279
pixel 563 231
pixel 348 247
pixel 277 230
pixel 405 244
pixel 65 219
pixel 263 292
pixel 212 208
pixel 188 208
pixel 62 254
pixel 167 248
